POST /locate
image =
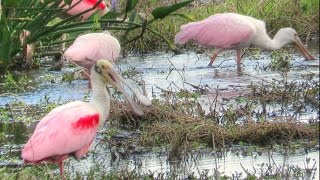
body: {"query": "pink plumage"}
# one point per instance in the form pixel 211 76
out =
pixel 220 30
pixel 89 48
pixel 235 31
pixel 83 5
pixel 67 129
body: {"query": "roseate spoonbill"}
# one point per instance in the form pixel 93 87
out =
pixel 89 48
pixel 79 6
pixel 69 130
pixel 234 31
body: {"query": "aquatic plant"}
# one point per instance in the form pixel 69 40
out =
pixel 20 83
pixel 280 61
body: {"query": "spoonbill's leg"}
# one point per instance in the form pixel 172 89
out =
pixel 215 54
pixel 238 52
pixel 61 170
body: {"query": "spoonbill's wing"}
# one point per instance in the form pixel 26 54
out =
pixel 221 30
pixel 66 129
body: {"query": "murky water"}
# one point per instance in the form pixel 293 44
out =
pixel 188 71
pixel 165 71
pixel 192 68
pixel 202 163
pixel 56 91
pixel 175 72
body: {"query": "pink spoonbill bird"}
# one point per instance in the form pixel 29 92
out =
pixel 89 48
pixel 69 130
pixel 78 6
pixel 234 31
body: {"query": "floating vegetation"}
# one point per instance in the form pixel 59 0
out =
pixel 280 61
pixel 15 84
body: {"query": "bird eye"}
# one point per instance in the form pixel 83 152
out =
pixel 97 69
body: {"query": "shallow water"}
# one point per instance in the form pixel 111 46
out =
pixel 199 163
pixel 60 91
pixel 165 71
pixel 193 69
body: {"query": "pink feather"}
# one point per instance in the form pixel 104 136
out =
pixel 234 31
pixel 84 5
pixel 66 129
pixel 89 48
pixel 220 30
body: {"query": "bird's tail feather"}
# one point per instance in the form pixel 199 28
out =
pixel 187 32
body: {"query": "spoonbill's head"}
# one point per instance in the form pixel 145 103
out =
pixel 289 35
pixel 110 76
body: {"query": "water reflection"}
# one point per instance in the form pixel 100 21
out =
pixel 13 133
pixel 230 164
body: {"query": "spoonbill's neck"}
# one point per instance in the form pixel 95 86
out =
pixel 264 41
pixel 100 98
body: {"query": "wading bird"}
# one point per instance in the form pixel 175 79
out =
pixel 89 48
pixel 234 31
pixel 69 130
pixel 78 6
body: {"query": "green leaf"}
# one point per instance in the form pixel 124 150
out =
pixel 132 16
pixel 162 12
pixel 5 44
pixel 131 4
pixel 186 16
pixel 111 15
